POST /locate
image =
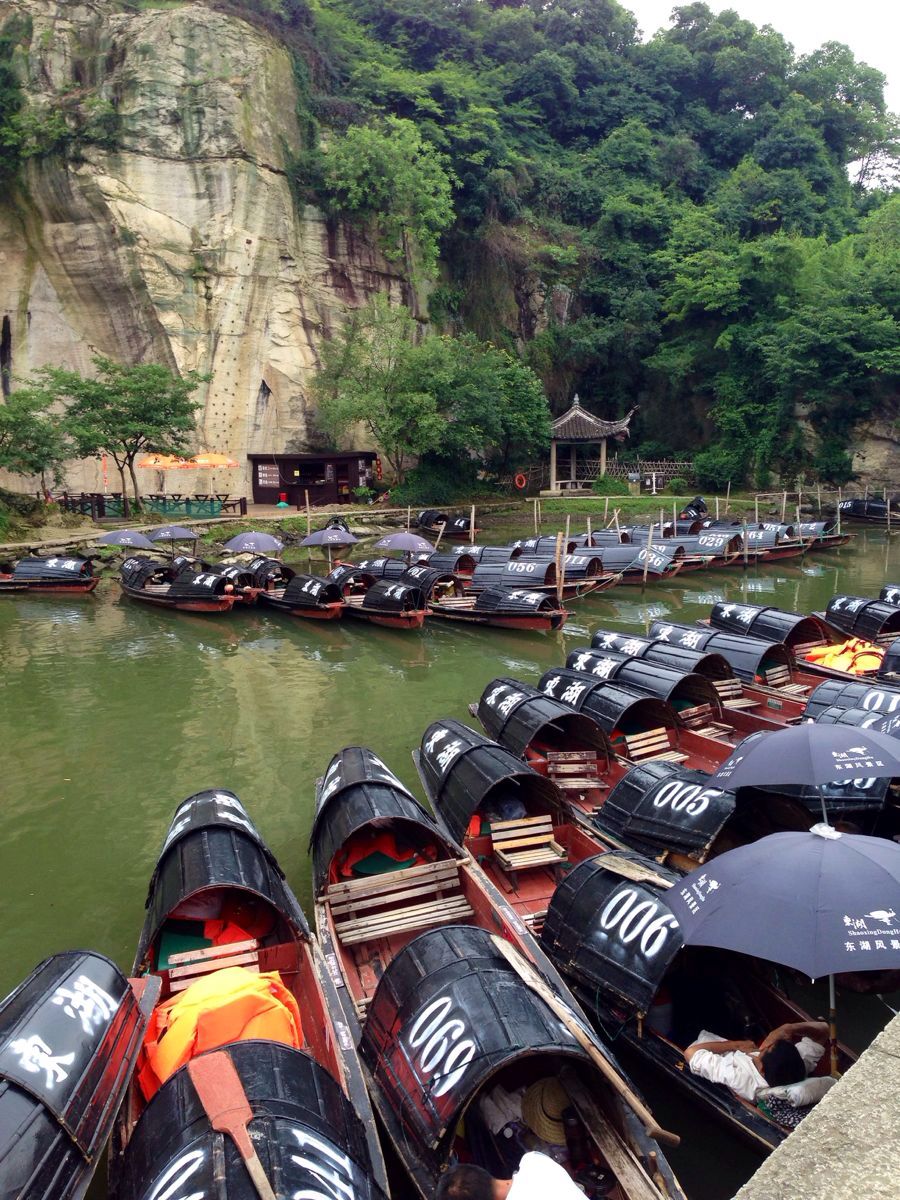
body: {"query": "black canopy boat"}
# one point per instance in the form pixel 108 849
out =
pixel 626 562
pixel 536 575
pixel 459 1019
pixel 462 560
pixel 876 697
pixel 734 692
pixel 543 546
pixel 694 696
pixel 382 568
pixel 432 521
pixel 308 596
pixel 269 573
pixel 513 821
pixel 640 726
pixel 58 575
pixel 679 817
pixel 710 549
pixel 794 630
pixel 823 535
pixel 219 909
pixel 242 579
pixel 169 586
pixel 770 666
pixel 69 1039
pixel 504 608
pixel 385 602
pixel 869 509
pixel 610 931
pixel 876 621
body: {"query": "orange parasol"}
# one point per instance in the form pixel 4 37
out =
pixel 161 462
pixel 204 459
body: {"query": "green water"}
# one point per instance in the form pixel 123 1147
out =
pixel 112 712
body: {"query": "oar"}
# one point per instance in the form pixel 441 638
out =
pixel 530 977
pixel 220 1091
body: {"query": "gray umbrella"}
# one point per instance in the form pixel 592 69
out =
pixel 404 540
pixel 126 537
pixel 254 543
pixel 173 533
pixel 330 536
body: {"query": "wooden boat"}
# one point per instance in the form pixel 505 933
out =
pixel 775 544
pixel 434 522
pixel 242 579
pixel 794 630
pixel 462 560
pixel 307 596
pixel 610 931
pixel 714 548
pixel 393 605
pixel 215 875
pixel 734 692
pixel 448 993
pixel 823 535
pixel 382 568
pixel 876 621
pixel 503 608
pixel 627 560
pixel 537 575
pixel 168 586
pixel 770 666
pixel 59 575
pixel 543 546
pixel 872 511
pixel 640 726
pixel 269 573
pixel 69 1038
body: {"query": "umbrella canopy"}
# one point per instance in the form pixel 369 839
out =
pixel 809 754
pixel 820 901
pixel 254 542
pixel 404 540
pixel 160 462
pixel 330 537
pixel 212 460
pixel 126 537
pixel 173 533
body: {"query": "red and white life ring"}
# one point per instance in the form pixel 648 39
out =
pixel 520 481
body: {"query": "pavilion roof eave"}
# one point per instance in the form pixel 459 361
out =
pixel 578 425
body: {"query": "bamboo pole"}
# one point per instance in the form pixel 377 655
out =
pixel 472 526
pixel 717 508
pixel 744 531
pixel 819 498
pixel 727 497
pixel 408 516
pixel 839 513
pixel 756 508
pixel 605 509
pixel 441 528
pixel 534 507
pixel 783 505
pixel 589 542
pixel 308 517
pixel 616 519
pixel 647 553
pixel 558 562
pixel 674 519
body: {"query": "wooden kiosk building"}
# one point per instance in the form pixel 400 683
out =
pixel 579 427
pixel 328 478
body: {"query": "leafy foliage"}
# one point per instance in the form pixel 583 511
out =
pixel 32 441
pixel 606 485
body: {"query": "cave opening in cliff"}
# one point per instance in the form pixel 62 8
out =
pixel 5 356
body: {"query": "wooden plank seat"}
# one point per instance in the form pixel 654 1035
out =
pixel 396 902
pixel 778 677
pixel 525 843
pixel 652 743
pixel 189 965
pixel 700 719
pixel 575 770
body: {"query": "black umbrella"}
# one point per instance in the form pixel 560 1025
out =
pixel 820 901
pixel 126 537
pixel 173 534
pixel 810 754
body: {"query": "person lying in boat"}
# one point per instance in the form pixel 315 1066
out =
pixel 538 1178
pixel 786 1055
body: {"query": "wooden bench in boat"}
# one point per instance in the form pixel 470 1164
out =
pixel 700 719
pixel 575 770
pixel 527 842
pixel 189 965
pixel 652 743
pixel 397 902
pixel 731 693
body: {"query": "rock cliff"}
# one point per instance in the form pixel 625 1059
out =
pixel 180 243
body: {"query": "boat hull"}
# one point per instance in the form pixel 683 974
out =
pixel 214 604
pixel 388 620
pixel 50 588
pixel 322 612
pixel 542 622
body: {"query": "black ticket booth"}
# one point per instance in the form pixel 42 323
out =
pixel 328 478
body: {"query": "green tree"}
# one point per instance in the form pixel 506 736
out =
pixel 124 411
pixel 32 440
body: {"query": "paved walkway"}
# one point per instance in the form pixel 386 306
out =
pixel 849 1145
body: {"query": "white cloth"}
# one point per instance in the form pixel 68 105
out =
pixel 499 1107
pixel 540 1178
pixel 737 1069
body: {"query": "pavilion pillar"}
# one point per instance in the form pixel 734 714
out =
pixel 553 465
pixel 573 463
pixel 602 457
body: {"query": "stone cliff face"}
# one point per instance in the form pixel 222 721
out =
pixel 183 244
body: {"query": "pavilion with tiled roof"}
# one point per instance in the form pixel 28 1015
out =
pixel 579 427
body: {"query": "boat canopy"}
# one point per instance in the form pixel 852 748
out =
pixel 889 670
pixel 618 557
pixel 682 689
pixel 818 529
pixel 543 546
pixel 135 571
pixel 488 554
pixel 616 709
pixel 69 1040
pixel 311 591
pixel 307 1134
pixel 189 586
pixel 212 843
pixel 769 624
pixel 714 542
pixel 890 594
pixel 240 577
pixel 347 575
pixel 517 573
pixel 661 806
pixel 452 979
pixel 359 790
pixel 516 715
pixel 763 539
pixel 457 562
pixel 837 693
pixel 430 518
pixel 609 929
pixel 462 769
pixel 836 715
pixel 749 657
pixel 514 600
pixel 393 597
pixel 59 567
pixel 263 569
pixel 608 537
pixel 679 658
pixel 383 568
pixel 861 617
pixel 583 564
pixel 427 578
pixel 786 532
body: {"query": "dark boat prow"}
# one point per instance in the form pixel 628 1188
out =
pixel 54 576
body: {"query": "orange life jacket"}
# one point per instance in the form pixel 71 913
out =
pixel 229 1005
pixel 383 842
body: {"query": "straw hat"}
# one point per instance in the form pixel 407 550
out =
pixel 542 1109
